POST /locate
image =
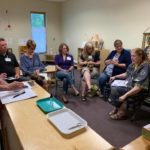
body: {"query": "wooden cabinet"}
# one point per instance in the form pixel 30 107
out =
pixel 103 55
pixel 22 49
pixel 80 50
pixel 144 42
pixel 49 58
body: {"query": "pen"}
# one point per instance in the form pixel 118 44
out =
pixel 18 94
pixel 25 86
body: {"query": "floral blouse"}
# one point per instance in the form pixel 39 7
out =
pixel 139 76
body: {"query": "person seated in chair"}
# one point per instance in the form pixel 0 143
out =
pixel 4 86
pixel 65 64
pixel 116 63
pixel 8 62
pixel 90 62
pixel 137 80
pixel 31 65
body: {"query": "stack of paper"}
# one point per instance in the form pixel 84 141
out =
pixel 122 83
pixel 17 95
pixel 45 75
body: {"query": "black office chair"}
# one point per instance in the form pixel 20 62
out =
pixel 134 103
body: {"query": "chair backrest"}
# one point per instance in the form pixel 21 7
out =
pixel 147 99
pixel 103 55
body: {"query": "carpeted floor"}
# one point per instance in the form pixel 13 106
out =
pixel 95 112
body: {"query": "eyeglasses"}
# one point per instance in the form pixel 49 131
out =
pixel 64 48
pixel 31 48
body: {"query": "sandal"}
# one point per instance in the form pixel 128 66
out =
pixel 117 116
pixel 83 98
pixel 89 91
pixel 114 111
pixel 77 94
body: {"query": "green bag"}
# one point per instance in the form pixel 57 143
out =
pixel 95 91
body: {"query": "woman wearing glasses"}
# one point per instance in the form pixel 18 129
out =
pixel 31 64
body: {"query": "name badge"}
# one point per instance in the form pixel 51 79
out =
pixel 90 57
pixel 68 58
pixel 7 59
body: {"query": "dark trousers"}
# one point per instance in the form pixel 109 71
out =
pixel 116 92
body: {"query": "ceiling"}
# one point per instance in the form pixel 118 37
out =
pixel 56 0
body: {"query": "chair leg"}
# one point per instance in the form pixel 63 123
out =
pixel 136 109
pixel 134 116
pixel 56 87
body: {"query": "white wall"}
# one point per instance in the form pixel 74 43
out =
pixel 111 19
pixel 75 21
pixel 19 15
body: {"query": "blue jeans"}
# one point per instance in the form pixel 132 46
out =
pixel 116 92
pixel 66 77
pixel 103 78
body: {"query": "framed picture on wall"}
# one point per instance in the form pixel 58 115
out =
pixel 145 38
pixel 9 50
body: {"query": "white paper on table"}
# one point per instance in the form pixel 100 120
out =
pixel 13 92
pixel 10 78
pixel 27 84
pixel 8 93
pixel 122 83
pixel 28 93
pixel 45 75
pixel 147 126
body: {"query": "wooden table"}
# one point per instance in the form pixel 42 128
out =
pixel 138 144
pixel 28 128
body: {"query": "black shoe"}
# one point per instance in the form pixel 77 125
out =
pixel 64 99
